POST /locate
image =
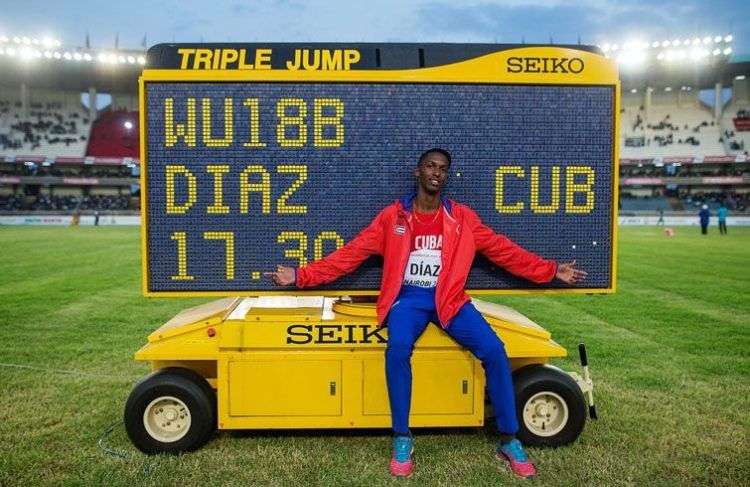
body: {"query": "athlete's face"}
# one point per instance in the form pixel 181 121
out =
pixel 432 172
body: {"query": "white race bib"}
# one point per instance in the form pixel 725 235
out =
pixel 423 268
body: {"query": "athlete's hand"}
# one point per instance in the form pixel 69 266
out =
pixel 568 273
pixel 284 276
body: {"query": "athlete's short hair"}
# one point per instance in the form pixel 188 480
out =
pixel 432 151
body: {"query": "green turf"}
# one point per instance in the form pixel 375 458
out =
pixel 670 355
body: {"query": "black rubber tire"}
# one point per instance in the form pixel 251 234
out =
pixel 190 388
pixel 532 379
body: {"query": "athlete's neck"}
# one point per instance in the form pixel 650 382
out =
pixel 426 202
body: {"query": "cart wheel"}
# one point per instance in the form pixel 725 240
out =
pixel 550 406
pixel 170 411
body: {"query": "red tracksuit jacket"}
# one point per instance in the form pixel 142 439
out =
pixel 389 235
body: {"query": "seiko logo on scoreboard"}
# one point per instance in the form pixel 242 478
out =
pixel 548 65
pixel 299 334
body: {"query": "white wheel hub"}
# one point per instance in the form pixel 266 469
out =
pixel 545 413
pixel 166 419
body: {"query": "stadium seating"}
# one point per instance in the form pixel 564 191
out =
pixel 669 130
pixel 736 142
pixel 81 203
pixel 114 134
pixel 52 127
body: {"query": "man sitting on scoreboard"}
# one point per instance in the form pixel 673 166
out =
pixel 428 244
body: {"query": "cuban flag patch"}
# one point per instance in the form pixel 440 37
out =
pixel 399 229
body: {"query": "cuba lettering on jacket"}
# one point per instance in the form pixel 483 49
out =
pixel 389 235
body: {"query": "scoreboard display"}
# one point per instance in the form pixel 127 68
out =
pixel 253 157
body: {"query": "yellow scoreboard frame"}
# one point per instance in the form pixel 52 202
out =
pixel 517 66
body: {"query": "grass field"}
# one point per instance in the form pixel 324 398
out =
pixel 670 355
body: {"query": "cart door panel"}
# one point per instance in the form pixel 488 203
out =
pixel 439 386
pixel 285 388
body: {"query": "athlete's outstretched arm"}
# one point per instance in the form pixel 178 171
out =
pixel 341 262
pixel 515 259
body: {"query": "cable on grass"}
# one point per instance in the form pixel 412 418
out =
pixel 108 431
pixel 62 371
pixel 122 454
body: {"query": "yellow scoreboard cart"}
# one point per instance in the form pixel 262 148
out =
pixel 318 362
pixel 309 361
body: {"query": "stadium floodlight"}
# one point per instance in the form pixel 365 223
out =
pixel 606 47
pixel 716 52
pixel 668 88
pixel 665 43
pixel 25 40
pixel 631 58
pixel 660 56
pixel 35 41
pixel 727 51
pixel 68 56
pixel 728 38
pixel 48 54
pixel 16 39
pixel 141 60
pixel 697 54
pixel 10 52
pixel 707 40
pixel 717 39
pixel 121 59
pixel 56 55
pixel 676 43
pixel 696 41
pixel 655 44
pixel 131 59
pixel 77 56
pixel 87 57
pixel 3 39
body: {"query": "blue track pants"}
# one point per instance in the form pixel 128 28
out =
pixel 413 310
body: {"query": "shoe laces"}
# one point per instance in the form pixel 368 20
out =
pixel 402 446
pixel 514 450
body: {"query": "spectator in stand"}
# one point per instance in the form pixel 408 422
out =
pixel 704 216
pixel 722 214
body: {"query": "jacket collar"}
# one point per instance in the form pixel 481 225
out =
pixel 407 202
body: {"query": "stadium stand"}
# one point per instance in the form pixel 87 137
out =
pixel 114 134
pixel 674 125
pixel 735 131
pixel 53 123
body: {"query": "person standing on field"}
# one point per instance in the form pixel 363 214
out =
pixel 428 243
pixel 704 216
pixel 722 215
